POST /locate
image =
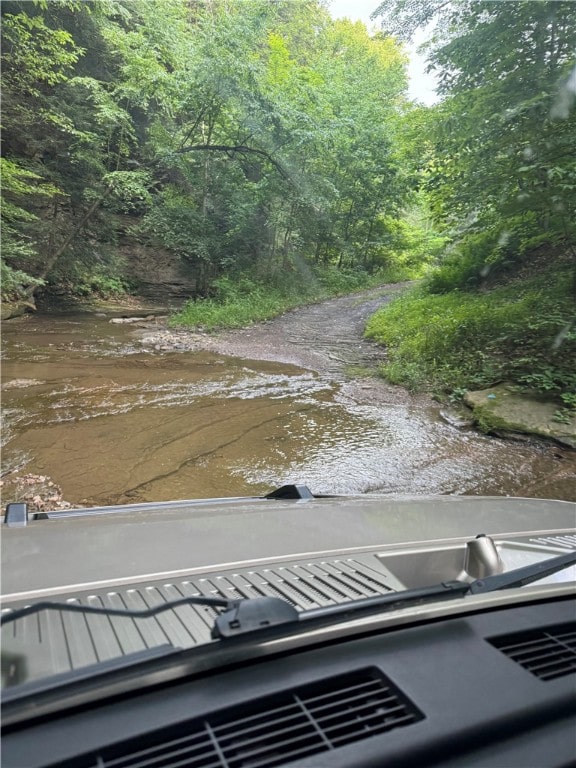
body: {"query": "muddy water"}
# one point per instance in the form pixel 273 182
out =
pixel 112 422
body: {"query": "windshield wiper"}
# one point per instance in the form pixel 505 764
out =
pixel 250 614
pixel 243 617
pixel 146 613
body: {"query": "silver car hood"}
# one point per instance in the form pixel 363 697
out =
pixel 311 552
pixel 108 545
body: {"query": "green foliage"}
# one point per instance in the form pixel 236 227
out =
pixel 563 416
pixel 130 191
pixel 507 127
pixel 98 273
pixel 104 285
pixel 495 156
pixel 332 281
pixel 239 300
pixel 244 136
pixel 464 265
pixel 413 242
pixel 569 398
pixel 457 395
pixel 495 162
pixel 568 412
pixel 19 182
pixel 15 282
pixel 34 53
pixel 18 253
pixel 455 340
pixel 180 227
pixel 497 253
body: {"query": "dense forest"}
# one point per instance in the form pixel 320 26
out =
pixel 250 136
pixel 273 153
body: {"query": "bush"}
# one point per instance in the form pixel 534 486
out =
pixel 467 340
pixel 498 250
pixel 107 285
pixel 240 300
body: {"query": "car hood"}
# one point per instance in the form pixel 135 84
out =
pixel 118 544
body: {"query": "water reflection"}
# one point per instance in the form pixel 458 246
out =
pixel 109 423
pixel 384 449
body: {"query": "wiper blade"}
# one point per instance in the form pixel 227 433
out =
pixel 53 605
pixel 239 620
pixel 247 615
pixel 243 615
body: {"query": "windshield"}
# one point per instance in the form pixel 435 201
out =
pixel 322 244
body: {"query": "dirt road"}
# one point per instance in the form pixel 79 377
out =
pixel 325 337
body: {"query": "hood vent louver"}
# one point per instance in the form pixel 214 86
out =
pixel 310 583
pixel 273 730
pixel 566 540
pixel 547 653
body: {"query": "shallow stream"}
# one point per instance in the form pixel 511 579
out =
pixel 110 421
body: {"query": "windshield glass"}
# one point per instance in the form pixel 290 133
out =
pixel 314 244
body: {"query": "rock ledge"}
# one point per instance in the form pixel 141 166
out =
pixel 502 409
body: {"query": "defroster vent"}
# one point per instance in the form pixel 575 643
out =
pixel 273 730
pixel 548 652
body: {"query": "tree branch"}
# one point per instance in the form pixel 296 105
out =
pixel 241 149
pixel 52 258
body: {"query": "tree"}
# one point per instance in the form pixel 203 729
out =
pixel 240 136
pixel 499 170
pixel 35 58
pixel 504 134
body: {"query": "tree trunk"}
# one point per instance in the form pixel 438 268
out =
pixel 53 257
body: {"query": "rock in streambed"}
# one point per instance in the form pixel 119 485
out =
pixel 505 411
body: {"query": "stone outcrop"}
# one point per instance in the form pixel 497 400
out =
pixel 12 309
pixel 504 410
pixel 155 272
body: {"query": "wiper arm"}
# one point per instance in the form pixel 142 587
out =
pixel 519 577
pixel 240 619
pixel 448 590
pixel 250 614
pixel 53 605
pixel 242 615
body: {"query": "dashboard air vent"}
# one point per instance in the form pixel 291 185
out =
pixel 273 730
pixel 547 653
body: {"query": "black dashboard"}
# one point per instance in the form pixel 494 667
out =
pixel 495 689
